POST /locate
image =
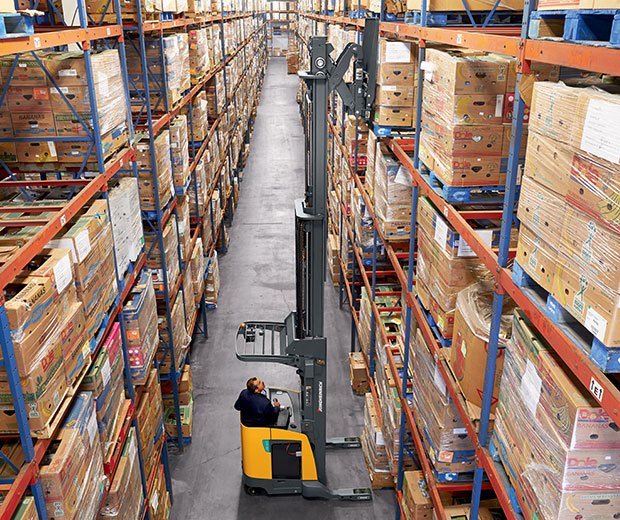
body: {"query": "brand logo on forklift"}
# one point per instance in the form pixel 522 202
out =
pixel 320 396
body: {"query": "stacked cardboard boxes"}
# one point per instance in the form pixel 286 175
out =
pixel 149 416
pixel 392 194
pixel 472 324
pixel 140 319
pixel 171 255
pixel 124 201
pixel 396 83
pixel 373 447
pixel 186 402
pixel 200 116
pixel 183 219
pixel 445 265
pixel 198 200
pixel 358 374
pixel 416 497
pixel 212 285
pixel 151 154
pixel 177 338
pixel 90 240
pixel 179 145
pixel 447 443
pixel 356 147
pixel 47 327
pixel 466 114
pixel 197 272
pixel 122 500
pixel 199 61
pixel 105 382
pixel 560 448
pixel 570 229
pixel 75 457
pixel 36 107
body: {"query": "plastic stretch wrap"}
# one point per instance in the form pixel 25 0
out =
pixel 171 255
pixel 200 116
pixel 185 75
pixel 163 165
pixel 179 146
pixel 450 448
pixel 570 205
pixel 561 449
pixel 392 190
pixel 198 54
pixel 197 266
pixel 212 285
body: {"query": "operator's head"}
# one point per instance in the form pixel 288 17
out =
pixel 255 385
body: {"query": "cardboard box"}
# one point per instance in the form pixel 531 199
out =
pixel 392 116
pixel 79 151
pixel 35 152
pixel 32 124
pixel 395 51
pixel 395 95
pixel 358 374
pixel 29 99
pixel 465 72
pixel 470 341
pixel 548 163
pixel 537 258
pixel 401 74
pixel 416 496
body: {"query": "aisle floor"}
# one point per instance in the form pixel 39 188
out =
pixel 257 280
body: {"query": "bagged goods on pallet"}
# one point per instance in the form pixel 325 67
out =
pixel 468 355
pixel 159 148
pixel 396 83
pixel 121 502
pixel 140 319
pixel 417 503
pixel 560 448
pixel 75 456
pixel 569 210
pixel 445 438
pixel 124 201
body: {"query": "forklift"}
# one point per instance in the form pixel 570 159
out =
pixel 289 456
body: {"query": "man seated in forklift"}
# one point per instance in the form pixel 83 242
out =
pixel 255 408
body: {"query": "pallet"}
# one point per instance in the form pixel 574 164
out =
pixel 400 132
pixel 604 357
pixel 358 13
pixel 15 25
pixel 444 342
pixel 599 27
pixel 465 19
pixel 494 450
pixel 463 194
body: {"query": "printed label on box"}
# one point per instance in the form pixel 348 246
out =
pixel 465 251
pixel 67 72
pixel 499 105
pixel 63 273
pixel 601 130
pixel 596 324
pixel 530 387
pixel 397 52
pixel 82 244
pixel 441 232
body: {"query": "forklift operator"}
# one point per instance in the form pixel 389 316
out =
pixel 255 408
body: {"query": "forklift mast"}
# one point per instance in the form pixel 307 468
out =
pixel 324 77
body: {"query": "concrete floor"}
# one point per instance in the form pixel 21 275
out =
pixel 257 279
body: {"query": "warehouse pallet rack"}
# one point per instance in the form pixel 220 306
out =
pixel 512 42
pixel 83 189
pixel 150 123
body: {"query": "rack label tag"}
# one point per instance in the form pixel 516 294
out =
pixel 596 389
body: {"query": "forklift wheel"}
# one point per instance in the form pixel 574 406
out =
pixel 253 491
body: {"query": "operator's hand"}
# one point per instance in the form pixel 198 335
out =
pixel 276 403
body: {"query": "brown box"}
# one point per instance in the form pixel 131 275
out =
pixel 416 496
pixel 537 258
pixel 28 72
pixel 468 355
pixel 358 374
pixel 395 95
pixel 29 99
pixel 36 152
pixel 29 124
pixel 391 116
pixel 396 74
